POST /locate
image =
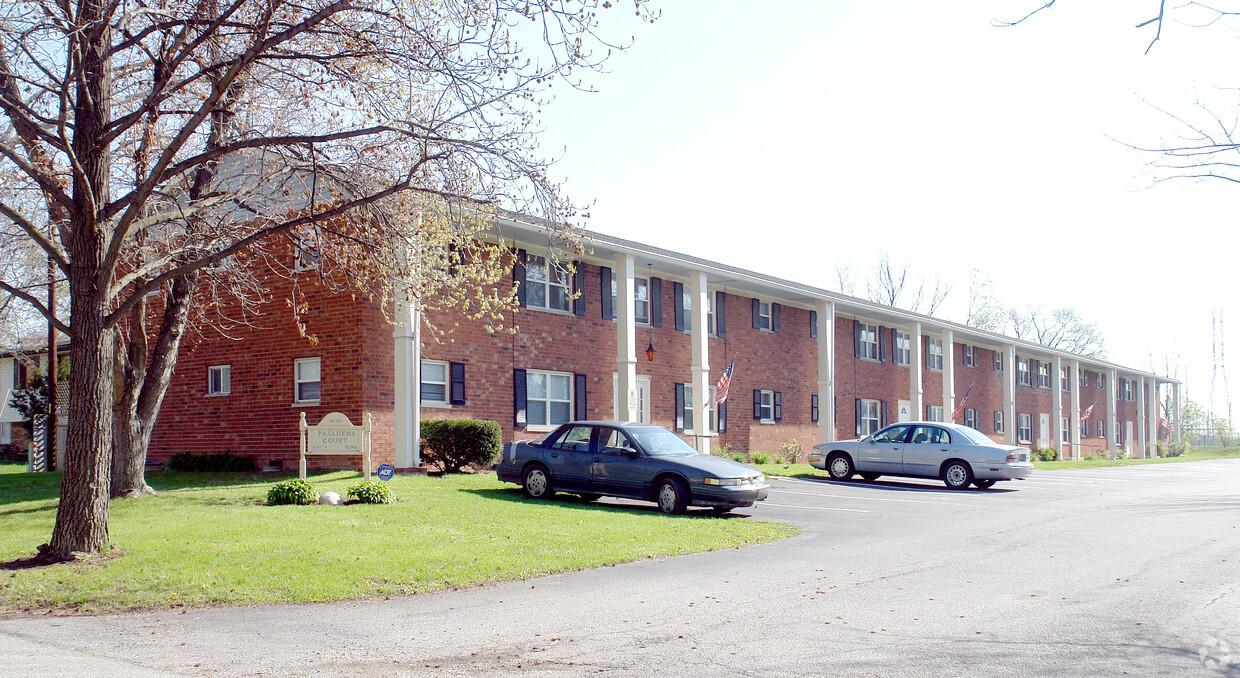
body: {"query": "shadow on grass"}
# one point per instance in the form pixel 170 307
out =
pixel 42 487
pixel 576 503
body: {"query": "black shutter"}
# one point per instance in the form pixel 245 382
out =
pixel 778 406
pixel 579 289
pixel 680 407
pixel 518 276
pixel 518 397
pixel 656 302
pixel 882 350
pixel 856 338
pixel 925 347
pixel 457 375
pixel 720 324
pixel 678 304
pixel 774 317
pixel 580 410
pixel 998 429
pixel 604 277
pixel 895 346
pixel 858 417
pixel 757 311
pixel 723 417
pixel 813 324
pixel 813 408
pixel 757 404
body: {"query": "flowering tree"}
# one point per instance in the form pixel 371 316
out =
pixel 164 150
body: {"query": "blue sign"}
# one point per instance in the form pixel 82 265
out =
pixel 385 472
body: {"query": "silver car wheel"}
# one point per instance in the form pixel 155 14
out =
pixel 957 475
pixel 840 468
pixel 667 498
pixel 536 483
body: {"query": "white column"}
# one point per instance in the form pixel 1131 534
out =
pixel 1176 395
pixel 1112 378
pixel 1151 415
pixel 826 371
pixel 626 341
pixel 1140 423
pixel 916 363
pixel 1009 394
pixel 1057 405
pixel 1075 404
pixel 701 362
pixel 949 375
pixel 406 337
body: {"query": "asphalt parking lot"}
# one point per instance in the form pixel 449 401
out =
pixel 1104 572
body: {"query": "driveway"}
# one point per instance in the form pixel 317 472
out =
pixel 1072 573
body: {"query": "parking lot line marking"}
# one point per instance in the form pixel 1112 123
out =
pixel 845 496
pixel 817 508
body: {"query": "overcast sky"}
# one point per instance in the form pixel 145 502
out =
pixel 792 137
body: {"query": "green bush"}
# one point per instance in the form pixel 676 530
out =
pixel 216 462
pixel 725 450
pixel 294 491
pixel 761 458
pixel 1044 454
pixel 372 492
pixel 1177 449
pixel 790 453
pixel 453 444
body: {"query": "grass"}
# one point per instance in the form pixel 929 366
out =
pixel 12 467
pixel 209 539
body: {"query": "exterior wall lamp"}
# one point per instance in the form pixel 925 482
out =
pixel 650 351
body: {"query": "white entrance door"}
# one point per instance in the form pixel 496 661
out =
pixel 642 393
pixel 1128 437
pixel 906 411
pixel 1044 430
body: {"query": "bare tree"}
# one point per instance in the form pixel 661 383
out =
pixel 160 140
pixel 846 279
pixel 984 312
pixel 1060 328
pixel 1156 21
pixel 889 284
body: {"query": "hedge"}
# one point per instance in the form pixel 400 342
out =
pixel 453 444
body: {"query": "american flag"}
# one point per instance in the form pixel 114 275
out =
pixel 960 407
pixel 1088 411
pixel 721 391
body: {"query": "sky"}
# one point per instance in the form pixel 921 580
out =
pixel 792 138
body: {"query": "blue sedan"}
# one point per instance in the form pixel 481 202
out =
pixel 635 461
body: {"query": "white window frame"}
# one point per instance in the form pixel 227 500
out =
pixel 1064 382
pixel 871 421
pixel 539 275
pixel 1022 372
pixel 1024 428
pixel 998 361
pixel 1083 377
pixel 710 313
pixel 641 300
pixel 766 407
pixel 764 315
pixel 999 420
pixel 222 386
pixel 934 353
pixel 904 348
pixel 547 400
pixel 868 340
pixel 687 413
pixel 970 417
pixel 935 412
pixel 1099 383
pixel 298 381
pixel 1044 375
pixel 970 356
pixel 686 301
pixel 1102 428
pixel 423 382
pixel 1065 429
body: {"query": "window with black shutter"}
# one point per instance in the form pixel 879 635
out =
pixel 457 375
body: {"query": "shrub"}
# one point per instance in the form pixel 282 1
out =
pixel 372 492
pixel 294 491
pixel 216 462
pixel 790 453
pixel 1177 449
pixel 1044 454
pixel 725 451
pixel 453 444
pixel 761 458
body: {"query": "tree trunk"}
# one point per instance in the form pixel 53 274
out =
pixel 145 386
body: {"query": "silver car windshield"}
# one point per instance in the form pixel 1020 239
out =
pixel 975 436
pixel 659 441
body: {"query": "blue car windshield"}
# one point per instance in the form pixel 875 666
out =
pixel 659 441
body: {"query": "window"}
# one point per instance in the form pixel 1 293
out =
pixel 998 361
pixel 306 247
pixel 763 320
pixel 867 341
pixel 1022 372
pixel 934 353
pixel 970 417
pixel 549 289
pixel 998 421
pixel 1099 376
pixel 548 398
pixel 1102 429
pixel 970 356
pixel 1084 428
pixel 434 388
pixel 1044 375
pixel 219 380
pixel 1084 377
pixel 934 413
pixel 868 418
pixel 1063 379
pixel 306 377
pixel 1024 428
pixel 641 300
pixel 930 435
pixel 687 411
pixel 1065 430
pixel 904 351
pixel 710 313
pixel 764 406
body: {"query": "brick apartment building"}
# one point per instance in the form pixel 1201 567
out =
pixel 810 366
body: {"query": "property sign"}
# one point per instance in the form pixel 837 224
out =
pixel 335 434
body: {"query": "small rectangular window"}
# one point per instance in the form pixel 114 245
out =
pixel 868 341
pixel 870 416
pixel 306 376
pixel 998 361
pixel 1024 428
pixel 710 313
pixel 764 315
pixel 934 412
pixel 904 350
pixel 1064 381
pixel 998 422
pixel 1084 377
pixel 641 300
pixel 1099 376
pixel 546 286
pixel 1022 372
pixel 1044 375
pixel 970 417
pixel 1065 428
pixel 434 382
pixel 549 398
pixel 688 411
pixel 766 407
pixel 219 380
pixel 1102 429
pixel 934 353
pixel 970 356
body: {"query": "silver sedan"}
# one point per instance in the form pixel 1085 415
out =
pixel 959 455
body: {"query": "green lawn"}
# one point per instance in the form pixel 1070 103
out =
pixel 209 539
